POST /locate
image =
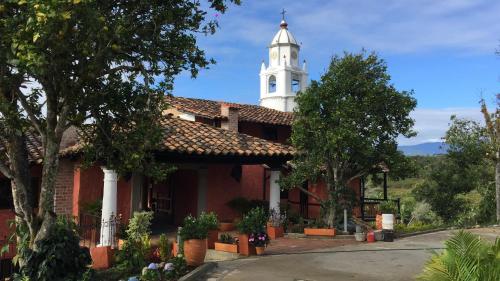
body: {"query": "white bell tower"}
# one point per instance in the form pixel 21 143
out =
pixel 283 78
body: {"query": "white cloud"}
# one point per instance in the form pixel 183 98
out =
pixel 397 26
pixel 431 124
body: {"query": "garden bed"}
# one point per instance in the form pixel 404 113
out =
pixel 402 230
pixel 328 232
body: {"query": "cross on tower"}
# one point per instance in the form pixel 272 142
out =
pixel 283 12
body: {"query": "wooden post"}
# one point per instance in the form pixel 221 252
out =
pixel 385 185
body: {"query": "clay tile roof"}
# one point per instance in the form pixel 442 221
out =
pixel 35 148
pixel 185 137
pixel 247 112
pixel 201 139
pixel 33 144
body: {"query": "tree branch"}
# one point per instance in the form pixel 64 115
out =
pixel 31 114
pixel 5 170
pixel 315 196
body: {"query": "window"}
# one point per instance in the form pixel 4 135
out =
pixel 270 133
pixel 295 83
pixel 272 84
pixel 6 201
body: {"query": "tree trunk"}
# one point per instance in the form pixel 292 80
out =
pixel 331 215
pixel 497 187
pixel 49 174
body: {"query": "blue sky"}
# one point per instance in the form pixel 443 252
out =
pixel 443 50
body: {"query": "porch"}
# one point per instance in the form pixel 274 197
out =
pixel 213 166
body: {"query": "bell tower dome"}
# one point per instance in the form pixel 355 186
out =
pixel 283 77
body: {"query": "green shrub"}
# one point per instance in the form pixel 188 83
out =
pixel 193 228
pixel 139 225
pixel 466 258
pixel 416 226
pixel 388 207
pixel 165 248
pixel 253 222
pixel 242 205
pixel 317 223
pixel 93 208
pixel 137 248
pixel 210 220
pixel 180 268
pixel 226 238
pixel 58 257
pixel 407 206
pixel 423 213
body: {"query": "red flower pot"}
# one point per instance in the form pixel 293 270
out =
pixel 246 249
pixel 195 251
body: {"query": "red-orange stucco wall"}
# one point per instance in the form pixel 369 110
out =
pixel 185 184
pixel 221 188
pixel 252 180
pixel 88 188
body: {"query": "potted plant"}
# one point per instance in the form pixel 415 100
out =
pixel 319 228
pixel 212 224
pixel 388 209
pixel 259 241
pixel 253 222
pixel 227 244
pixel 194 235
pixel 275 224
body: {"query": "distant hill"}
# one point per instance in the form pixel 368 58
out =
pixel 427 148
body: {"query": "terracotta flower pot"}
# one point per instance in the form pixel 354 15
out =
pixel 378 221
pixel 224 247
pixel 175 249
pixel 246 249
pixel 259 250
pixel 195 251
pixel 320 231
pixel 274 232
pixel 226 226
pixel 213 236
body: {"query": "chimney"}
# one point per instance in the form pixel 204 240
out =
pixel 231 112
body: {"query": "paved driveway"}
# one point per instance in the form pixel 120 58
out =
pixel 400 260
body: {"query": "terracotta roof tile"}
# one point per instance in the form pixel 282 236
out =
pixel 190 138
pixel 201 139
pixel 247 112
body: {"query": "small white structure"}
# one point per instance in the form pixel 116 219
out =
pixel 284 77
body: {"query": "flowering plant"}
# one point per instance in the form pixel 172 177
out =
pixel 276 218
pixel 258 239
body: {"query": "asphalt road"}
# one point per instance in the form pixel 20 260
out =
pixel 399 260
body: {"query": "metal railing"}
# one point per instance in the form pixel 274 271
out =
pixel 370 207
pixel 90 227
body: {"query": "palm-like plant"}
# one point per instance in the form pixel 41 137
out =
pixel 466 258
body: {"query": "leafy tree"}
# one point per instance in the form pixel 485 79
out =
pixel 465 168
pixel 345 125
pixel 442 185
pixel 92 65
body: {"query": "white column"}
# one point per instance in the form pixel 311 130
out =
pixel 274 191
pixel 108 207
